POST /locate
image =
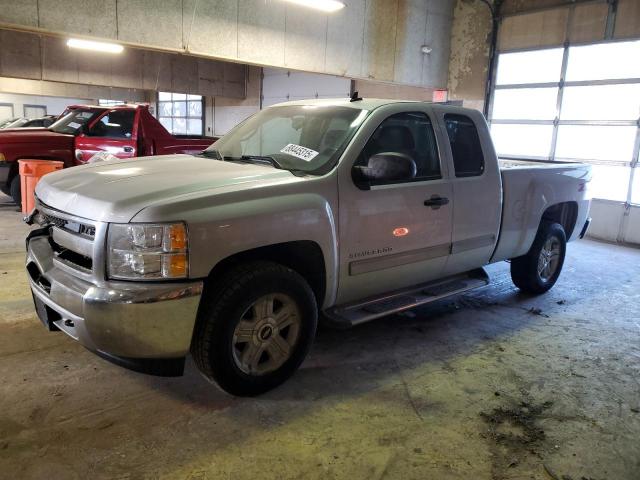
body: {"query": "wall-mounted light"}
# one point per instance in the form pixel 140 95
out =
pixel 329 6
pixel 426 49
pixel 95 46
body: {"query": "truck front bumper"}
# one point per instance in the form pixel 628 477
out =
pixel 145 327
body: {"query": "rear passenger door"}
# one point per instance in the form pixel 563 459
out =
pixel 477 189
pixel 392 234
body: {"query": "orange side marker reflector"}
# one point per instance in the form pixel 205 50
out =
pixel 400 232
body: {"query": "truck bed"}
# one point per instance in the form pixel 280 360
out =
pixel 511 163
pixel 529 188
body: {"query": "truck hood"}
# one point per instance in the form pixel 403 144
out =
pixel 114 191
pixel 35 135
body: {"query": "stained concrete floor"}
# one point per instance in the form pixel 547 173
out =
pixel 490 385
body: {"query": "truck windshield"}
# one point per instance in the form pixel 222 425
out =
pixel 304 138
pixel 73 122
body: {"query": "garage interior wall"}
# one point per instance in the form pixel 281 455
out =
pixel 53 105
pixel 469 59
pixel 43 65
pixel 280 85
pixel 223 113
pixel 556 30
pixel 371 39
pixel 42 57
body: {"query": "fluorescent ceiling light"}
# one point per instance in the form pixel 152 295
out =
pixel 329 6
pixel 95 46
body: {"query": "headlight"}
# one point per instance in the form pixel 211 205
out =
pixel 138 251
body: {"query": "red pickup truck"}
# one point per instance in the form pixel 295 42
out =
pixel 84 130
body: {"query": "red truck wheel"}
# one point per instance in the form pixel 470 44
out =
pixel 14 190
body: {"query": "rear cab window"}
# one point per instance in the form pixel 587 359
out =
pixel 466 149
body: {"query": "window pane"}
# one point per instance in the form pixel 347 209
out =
pixel 635 189
pixel 525 104
pixel 164 96
pixel 34 111
pixel 468 159
pixel 601 102
pixel 179 126
pixel 165 109
pixel 194 127
pixel 179 96
pixel 408 134
pixel 180 109
pixel 523 140
pixel 195 109
pixel 610 182
pixel 604 61
pixel 115 124
pixel 587 142
pixel 194 97
pixel 529 67
pixel 166 123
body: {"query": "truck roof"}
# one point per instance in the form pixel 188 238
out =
pixel 364 104
pixel 123 106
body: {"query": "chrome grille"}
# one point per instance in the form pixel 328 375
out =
pixel 68 225
pixel 71 238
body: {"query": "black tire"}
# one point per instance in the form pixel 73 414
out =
pixel 14 190
pixel 524 269
pixel 223 304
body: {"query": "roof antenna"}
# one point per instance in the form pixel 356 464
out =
pixel 355 97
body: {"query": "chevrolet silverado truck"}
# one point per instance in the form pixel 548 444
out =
pixel 338 210
pixel 82 131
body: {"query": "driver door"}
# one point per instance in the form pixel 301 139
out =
pixel 393 234
pixel 114 132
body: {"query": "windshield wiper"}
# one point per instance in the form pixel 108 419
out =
pixel 262 159
pixel 215 154
pixel 257 159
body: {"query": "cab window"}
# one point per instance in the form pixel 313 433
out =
pixel 410 135
pixel 466 149
pixel 115 124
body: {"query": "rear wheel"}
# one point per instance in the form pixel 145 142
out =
pixel 255 327
pixel 14 190
pixel 538 270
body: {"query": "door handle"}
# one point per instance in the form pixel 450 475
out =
pixel 128 149
pixel 436 202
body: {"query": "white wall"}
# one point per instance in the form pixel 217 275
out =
pixel 280 85
pixel 615 222
pixel 224 113
pixel 55 105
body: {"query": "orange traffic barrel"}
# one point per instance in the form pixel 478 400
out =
pixel 31 171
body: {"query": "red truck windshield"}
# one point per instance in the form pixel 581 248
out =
pixel 73 122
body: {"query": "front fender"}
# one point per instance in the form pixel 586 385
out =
pixel 220 231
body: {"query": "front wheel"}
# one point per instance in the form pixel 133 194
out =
pixel 255 327
pixel 14 190
pixel 538 270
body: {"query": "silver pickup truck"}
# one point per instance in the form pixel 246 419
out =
pixel 338 210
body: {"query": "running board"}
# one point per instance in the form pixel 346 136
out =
pixel 346 316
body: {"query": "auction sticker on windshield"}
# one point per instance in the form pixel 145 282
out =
pixel 303 153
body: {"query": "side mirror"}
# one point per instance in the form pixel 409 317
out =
pixel 384 167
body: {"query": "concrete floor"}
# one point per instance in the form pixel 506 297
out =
pixel 490 385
